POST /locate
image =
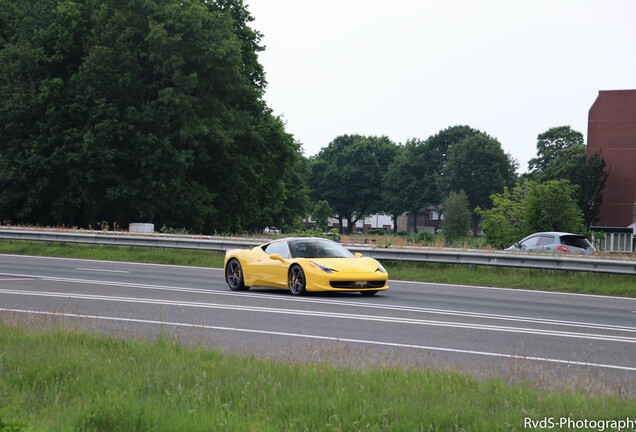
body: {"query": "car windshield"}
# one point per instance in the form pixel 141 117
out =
pixel 576 241
pixel 317 249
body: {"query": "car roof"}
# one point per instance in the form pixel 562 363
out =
pixel 556 233
pixel 303 238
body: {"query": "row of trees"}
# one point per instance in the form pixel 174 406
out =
pixel 357 176
pixel 153 111
pixel 360 175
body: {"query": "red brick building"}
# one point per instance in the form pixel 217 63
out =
pixel 612 130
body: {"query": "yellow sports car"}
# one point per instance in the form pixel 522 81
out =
pixel 304 264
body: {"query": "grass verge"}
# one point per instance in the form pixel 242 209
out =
pixel 547 280
pixel 57 378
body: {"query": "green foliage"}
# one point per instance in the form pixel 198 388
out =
pixel 348 174
pixel 321 214
pixel 479 166
pixel 140 111
pixel 9 426
pixel 417 177
pixel 551 206
pixel 412 179
pixel 551 142
pixel 424 237
pixel 456 223
pixel 380 232
pixel 530 208
pixel 561 155
pixel 591 186
pixel 332 234
pixel 503 223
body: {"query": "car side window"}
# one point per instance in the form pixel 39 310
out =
pixel 545 240
pixel 279 248
pixel 532 241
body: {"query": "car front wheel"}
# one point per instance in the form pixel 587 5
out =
pixel 297 281
pixel 234 275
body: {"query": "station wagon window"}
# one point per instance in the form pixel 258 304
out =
pixel 279 248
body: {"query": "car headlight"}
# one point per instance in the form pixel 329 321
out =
pixel 381 269
pixel 323 268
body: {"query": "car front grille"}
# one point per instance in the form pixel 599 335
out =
pixel 357 284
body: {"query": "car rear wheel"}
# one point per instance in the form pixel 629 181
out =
pixel 234 276
pixel 368 293
pixel 297 281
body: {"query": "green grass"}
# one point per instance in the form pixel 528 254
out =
pixel 184 257
pixel 549 280
pixel 56 378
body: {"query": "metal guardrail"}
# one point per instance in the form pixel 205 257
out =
pixel 501 259
pixel 504 259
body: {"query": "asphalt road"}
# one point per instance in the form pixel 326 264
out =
pixel 565 339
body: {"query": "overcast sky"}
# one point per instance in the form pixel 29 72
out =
pixel 407 69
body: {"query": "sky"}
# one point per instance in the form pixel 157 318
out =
pixel 408 69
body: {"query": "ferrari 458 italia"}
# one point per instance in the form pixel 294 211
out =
pixel 304 264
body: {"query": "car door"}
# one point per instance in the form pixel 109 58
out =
pixel 273 272
pixel 546 243
pixel 530 243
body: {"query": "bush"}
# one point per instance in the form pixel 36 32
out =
pixel 456 223
pixel 332 234
pixel 502 224
pixel 424 237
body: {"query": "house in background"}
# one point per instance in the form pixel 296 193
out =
pixel 611 130
pixel 428 219
pixel 377 221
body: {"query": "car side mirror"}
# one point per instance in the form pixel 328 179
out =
pixel 278 258
pixel 518 245
pixel 358 255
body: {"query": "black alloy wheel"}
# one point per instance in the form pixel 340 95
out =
pixel 234 275
pixel 297 281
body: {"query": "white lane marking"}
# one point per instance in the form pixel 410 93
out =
pixel 390 280
pixel 113 262
pixel 516 290
pixel 101 270
pixel 345 303
pixel 16 279
pixel 328 338
pixel 332 315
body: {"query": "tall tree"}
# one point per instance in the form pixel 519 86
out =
pixel 479 166
pixel 146 110
pixel 444 139
pixel 348 174
pixel 549 144
pixel 561 155
pixel 412 181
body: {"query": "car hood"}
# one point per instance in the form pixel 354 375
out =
pixel 364 264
